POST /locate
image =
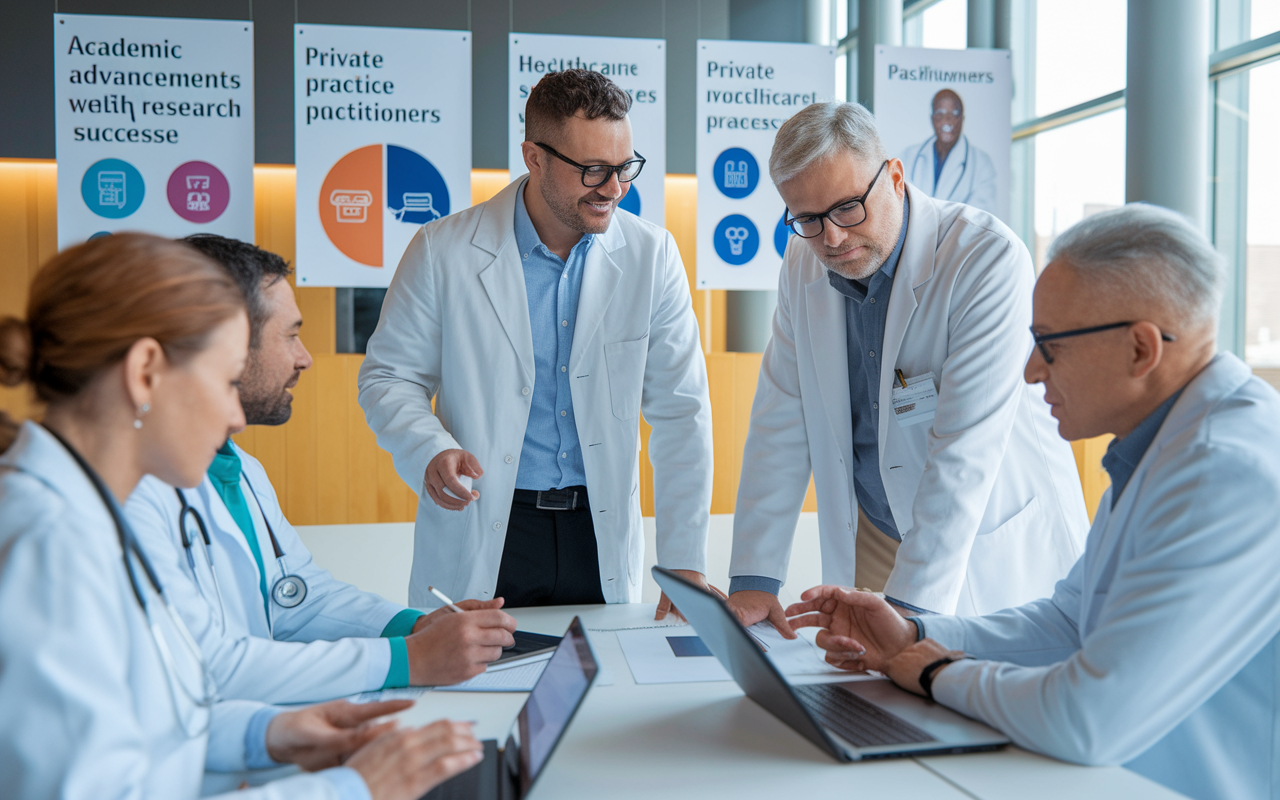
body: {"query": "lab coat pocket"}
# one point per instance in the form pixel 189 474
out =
pixel 1019 540
pixel 625 361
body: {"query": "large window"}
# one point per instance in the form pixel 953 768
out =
pixel 1079 51
pixel 1079 170
pixel 1262 220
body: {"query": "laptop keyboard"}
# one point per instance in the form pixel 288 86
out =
pixel 855 720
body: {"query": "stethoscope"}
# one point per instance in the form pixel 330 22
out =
pixel 208 694
pixel 187 543
pixel 964 164
pixel 287 592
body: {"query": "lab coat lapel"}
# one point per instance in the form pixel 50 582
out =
pixel 1221 378
pixel 953 171
pixel 915 268
pixel 600 276
pixel 503 278
pixel 825 319
pixel 39 454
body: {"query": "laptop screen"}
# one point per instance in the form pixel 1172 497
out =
pixel 553 701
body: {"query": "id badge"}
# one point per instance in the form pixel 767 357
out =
pixel 917 402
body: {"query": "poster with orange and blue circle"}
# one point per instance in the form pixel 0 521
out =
pixel 382 146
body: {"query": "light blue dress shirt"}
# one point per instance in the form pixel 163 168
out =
pixel 552 455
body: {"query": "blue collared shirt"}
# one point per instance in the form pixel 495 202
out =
pixel 1124 454
pixel 866 308
pixel 552 455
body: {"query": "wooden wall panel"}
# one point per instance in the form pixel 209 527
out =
pixel 325 463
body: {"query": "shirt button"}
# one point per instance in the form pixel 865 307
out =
pixel 508 458
pixel 525 391
pixel 872 352
pixel 564 369
pixel 526 256
pixel 497 526
pixel 875 405
pixel 873 299
pixel 564 455
pixel 564 323
pixel 563 413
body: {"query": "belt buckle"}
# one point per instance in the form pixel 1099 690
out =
pixel 565 502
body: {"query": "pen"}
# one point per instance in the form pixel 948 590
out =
pixel 901 378
pixel 443 598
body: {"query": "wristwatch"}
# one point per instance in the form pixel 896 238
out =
pixel 926 674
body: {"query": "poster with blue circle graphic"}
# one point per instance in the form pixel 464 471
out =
pixel 736 173
pixel 112 188
pixel 782 234
pixel 737 240
pixel 746 91
pixel 416 192
pixel 631 200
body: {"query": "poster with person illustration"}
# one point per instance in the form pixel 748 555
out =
pixel 946 115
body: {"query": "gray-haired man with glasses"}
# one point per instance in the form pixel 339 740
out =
pixel 543 322
pixel 894 375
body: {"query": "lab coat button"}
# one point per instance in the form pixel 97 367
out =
pixel 507 458
pixel 525 391
pixel 497 526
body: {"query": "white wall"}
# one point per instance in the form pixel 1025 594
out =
pixel 377 557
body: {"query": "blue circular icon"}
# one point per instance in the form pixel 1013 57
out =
pixel 416 192
pixel 736 240
pixel 112 188
pixel 99 235
pixel 736 173
pixel 631 201
pixel 782 234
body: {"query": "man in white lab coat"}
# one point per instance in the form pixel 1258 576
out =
pixel 543 322
pixel 1159 650
pixel 894 374
pixel 260 644
pixel 948 165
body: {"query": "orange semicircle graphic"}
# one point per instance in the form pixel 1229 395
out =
pixel 351 205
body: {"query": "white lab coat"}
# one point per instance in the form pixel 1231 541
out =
pixel 1160 650
pixel 986 496
pixel 85 705
pixel 968 175
pixel 455 325
pixel 324 648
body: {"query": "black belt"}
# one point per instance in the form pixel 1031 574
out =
pixel 570 498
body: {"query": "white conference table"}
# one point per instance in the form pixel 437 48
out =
pixel 707 740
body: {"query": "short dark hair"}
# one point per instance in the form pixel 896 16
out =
pixel 560 95
pixel 251 267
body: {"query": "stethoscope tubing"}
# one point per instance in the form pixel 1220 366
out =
pixel 964 164
pixel 129 544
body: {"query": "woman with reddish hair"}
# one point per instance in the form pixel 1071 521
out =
pixel 136 345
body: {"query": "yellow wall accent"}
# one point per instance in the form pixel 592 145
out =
pixel 325 463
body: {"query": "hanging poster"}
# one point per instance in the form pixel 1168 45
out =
pixel 154 121
pixel 382 142
pixel 746 90
pixel 638 66
pixel 947 115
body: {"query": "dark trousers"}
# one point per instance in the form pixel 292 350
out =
pixel 550 556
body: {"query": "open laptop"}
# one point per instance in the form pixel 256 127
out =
pixel 851 721
pixel 509 772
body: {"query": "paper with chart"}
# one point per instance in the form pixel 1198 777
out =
pixel 672 654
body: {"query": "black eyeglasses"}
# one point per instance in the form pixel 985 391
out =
pixel 599 174
pixel 845 214
pixel 1041 338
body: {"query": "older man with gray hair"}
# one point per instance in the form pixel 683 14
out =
pixel 1160 649
pixel 894 374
